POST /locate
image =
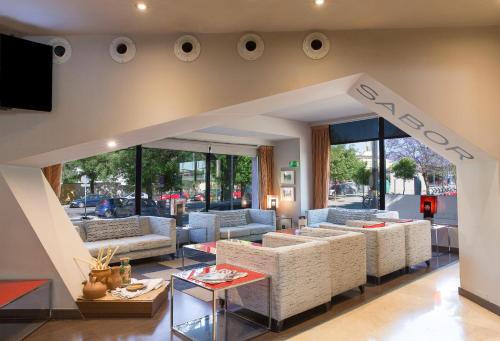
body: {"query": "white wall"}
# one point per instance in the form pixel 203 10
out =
pixel 284 152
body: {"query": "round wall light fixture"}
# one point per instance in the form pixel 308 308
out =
pixel 187 48
pixel 61 50
pixel 250 46
pixel 122 50
pixel 316 45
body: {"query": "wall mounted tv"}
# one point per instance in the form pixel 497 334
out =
pixel 25 74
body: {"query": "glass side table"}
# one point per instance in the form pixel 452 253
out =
pixel 435 228
pixel 280 225
pixel 224 324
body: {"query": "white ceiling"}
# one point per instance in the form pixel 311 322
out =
pixel 217 16
pixel 329 109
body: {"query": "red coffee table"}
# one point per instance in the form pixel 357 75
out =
pixel 225 324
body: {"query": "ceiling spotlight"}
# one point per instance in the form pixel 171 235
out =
pixel 141 6
pixel 112 144
pixel 319 2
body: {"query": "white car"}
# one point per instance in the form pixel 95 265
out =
pixel 132 196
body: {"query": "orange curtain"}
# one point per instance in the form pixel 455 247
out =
pixel 320 165
pixel 53 175
pixel 266 174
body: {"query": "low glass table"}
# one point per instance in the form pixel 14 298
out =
pixel 224 324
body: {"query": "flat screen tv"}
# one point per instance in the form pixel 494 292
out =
pixel 25 74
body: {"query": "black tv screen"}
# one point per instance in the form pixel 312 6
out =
pixel 25 74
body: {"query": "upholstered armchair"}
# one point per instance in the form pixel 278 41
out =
pixel 347 259
pixel 205 227
pixel 385 248
pixel 299 270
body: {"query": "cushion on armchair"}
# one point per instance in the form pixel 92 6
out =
pixel 373 226
pixel 232 218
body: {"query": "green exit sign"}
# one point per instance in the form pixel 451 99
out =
pixel 293 164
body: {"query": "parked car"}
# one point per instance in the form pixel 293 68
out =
pixel 92 200
pixel 132 196
pixel 123 207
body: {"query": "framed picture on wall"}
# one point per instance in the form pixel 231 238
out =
pixel 287 177
pixel 287 193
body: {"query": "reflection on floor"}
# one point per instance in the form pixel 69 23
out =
pixel 398 305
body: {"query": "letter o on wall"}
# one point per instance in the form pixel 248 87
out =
pixel 122 50
pixel 443 140
pixel 316 45
pixel 61 50
pixel 187 48
pixel 250 46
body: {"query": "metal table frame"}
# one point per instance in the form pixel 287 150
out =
pixel 436 228
pixel 214 304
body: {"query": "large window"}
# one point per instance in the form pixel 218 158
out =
pixel 358 170
pixel 173 183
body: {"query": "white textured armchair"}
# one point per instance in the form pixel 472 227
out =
pixel 385 248
pixel 347 257
pixel 298 268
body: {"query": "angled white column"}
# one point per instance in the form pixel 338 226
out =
pixel 37 238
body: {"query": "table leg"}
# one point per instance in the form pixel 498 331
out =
pixel 214 316
pixel 182 258
pixel 206 234
pixel 449 242
pixel 437 242
pixel 171 302
pixel 225 314
pixel 269 310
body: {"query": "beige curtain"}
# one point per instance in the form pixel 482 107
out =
pixel 266 174
pixel 53 175
pixel 320 165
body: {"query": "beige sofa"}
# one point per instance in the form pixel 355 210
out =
pixel 385 248
pixel 299 270
pixel 136 237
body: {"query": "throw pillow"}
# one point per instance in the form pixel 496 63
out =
pixel 339 216
pixel 232 218
pixel 373 226
pixel 113 229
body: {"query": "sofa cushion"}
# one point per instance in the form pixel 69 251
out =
pixel 232 218
pixel 256 228
pixel 235 231
pixel 147 242
pixel 341 215
pixel 94 247
pixel 112 229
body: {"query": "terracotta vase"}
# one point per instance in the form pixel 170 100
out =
pixel 101 275
pixel 94 289
pixel 114 280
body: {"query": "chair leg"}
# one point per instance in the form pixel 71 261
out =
pixel 379 279
pixel 279 326
pixel 362 289
pixel 328 306
pixel 428 262
pixel 407 269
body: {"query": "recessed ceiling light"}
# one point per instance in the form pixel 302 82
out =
pixel 141 6
pixel 112 144
pixel 319 2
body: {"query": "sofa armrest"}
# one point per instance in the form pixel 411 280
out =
pixel 274 240
pixel 162 226
pixel 418 241
pixel 208 221
pixel 317 216
pixel 266 217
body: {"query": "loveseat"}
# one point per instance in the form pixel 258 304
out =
pixel 245 224
pixel 137 236
pixel 339 216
